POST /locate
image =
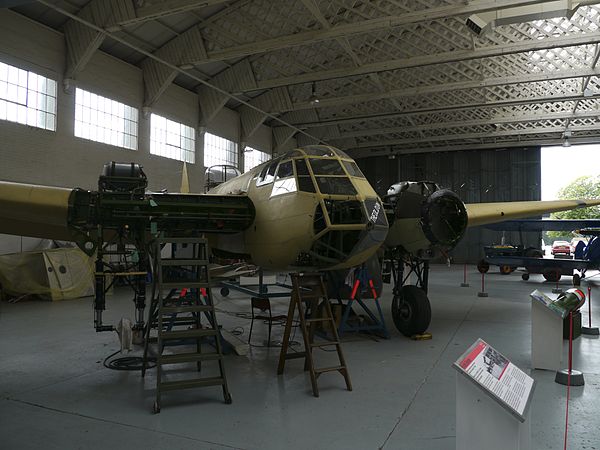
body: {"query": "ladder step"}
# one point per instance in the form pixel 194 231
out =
pixel 184 284
pixel 188 357
pixel 187 384
pixel 324 344
pixel 185 309
pixel 319 319
pixel 188 334
pixel 329 369
pixel 183 262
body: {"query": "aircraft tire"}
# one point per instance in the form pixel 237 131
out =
pixel 552 275
pixel 525 277
pixel 533 253
pixel 576 280
pixel 411 311
pixel 224 291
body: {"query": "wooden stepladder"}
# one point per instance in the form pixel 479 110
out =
pixel 308 290
pixel 182 295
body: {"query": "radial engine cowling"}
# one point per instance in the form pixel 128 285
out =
pixel 424 218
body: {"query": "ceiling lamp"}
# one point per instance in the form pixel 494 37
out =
pixel 566 135
pixel 313 99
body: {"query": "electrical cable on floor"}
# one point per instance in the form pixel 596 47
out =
pixel 128 362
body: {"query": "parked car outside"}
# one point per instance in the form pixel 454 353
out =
pixel 575 241
pixel 561 248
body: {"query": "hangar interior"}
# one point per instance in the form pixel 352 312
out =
pixel 461 93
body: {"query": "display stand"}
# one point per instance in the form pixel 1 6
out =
pixel 492 401
pixel 590 330
pixel 464 283
pixel 482 293
pixel 546 337
pixel 570 376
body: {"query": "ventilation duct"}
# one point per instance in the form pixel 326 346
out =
pixel 482 23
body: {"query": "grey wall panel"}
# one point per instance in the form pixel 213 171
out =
pixel 476 176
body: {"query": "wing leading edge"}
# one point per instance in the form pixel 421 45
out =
pixel 486 213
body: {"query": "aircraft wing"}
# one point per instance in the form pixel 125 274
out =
pixel 486 213
pixel 68 214
pixel 36 211
pixel 543 225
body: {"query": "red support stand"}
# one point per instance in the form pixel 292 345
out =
pixel 589 330
pixel 557 289
pixel 482 293
pixel 464 283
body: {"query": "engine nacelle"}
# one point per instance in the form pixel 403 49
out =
pixel 424 218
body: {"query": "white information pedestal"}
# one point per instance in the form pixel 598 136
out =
pixel 546 337
pixel 492 401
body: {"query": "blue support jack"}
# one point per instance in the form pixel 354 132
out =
pixel 363 282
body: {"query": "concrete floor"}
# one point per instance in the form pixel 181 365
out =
pixel 56 394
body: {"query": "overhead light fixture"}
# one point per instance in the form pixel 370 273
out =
pixel 566 135
pixel 313 99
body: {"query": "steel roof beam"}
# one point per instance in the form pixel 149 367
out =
pixel 520 118
pixel 365 153
pixel 152 10
pixel 447 108
pixel 445 87
pixel 434 59
pixel 366 26
pixel 479 135
pixel 82 41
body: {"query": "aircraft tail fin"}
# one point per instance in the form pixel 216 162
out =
pixel 185 182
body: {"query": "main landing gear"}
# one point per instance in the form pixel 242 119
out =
pixel 411 310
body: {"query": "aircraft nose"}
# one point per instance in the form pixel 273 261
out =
pixel 348 230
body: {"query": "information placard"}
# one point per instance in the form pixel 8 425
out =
pixel 498 377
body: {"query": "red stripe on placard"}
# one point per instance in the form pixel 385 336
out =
pixel 471 356
pixel 503 370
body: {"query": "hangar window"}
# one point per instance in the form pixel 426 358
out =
pixel 104 120
pixel 172 139
pixel 253 158
pixel 218 150
pixel 27 98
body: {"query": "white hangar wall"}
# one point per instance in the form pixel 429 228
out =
pixel 29 154
pixel 476 176
pixel 34 155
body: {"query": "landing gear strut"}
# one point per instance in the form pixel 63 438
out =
pixel 411 310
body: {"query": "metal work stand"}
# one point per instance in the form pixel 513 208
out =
pixel 261 290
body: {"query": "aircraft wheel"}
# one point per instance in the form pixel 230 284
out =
pixel 576 280
pixel 525 277
pixel 224 291
pixel 155 408
pixel 534 253
pixel 483 266
pixel 552 275
pixel 506 270
pixel 411 311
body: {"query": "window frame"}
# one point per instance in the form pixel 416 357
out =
pixel 28 98
pixel 119 122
